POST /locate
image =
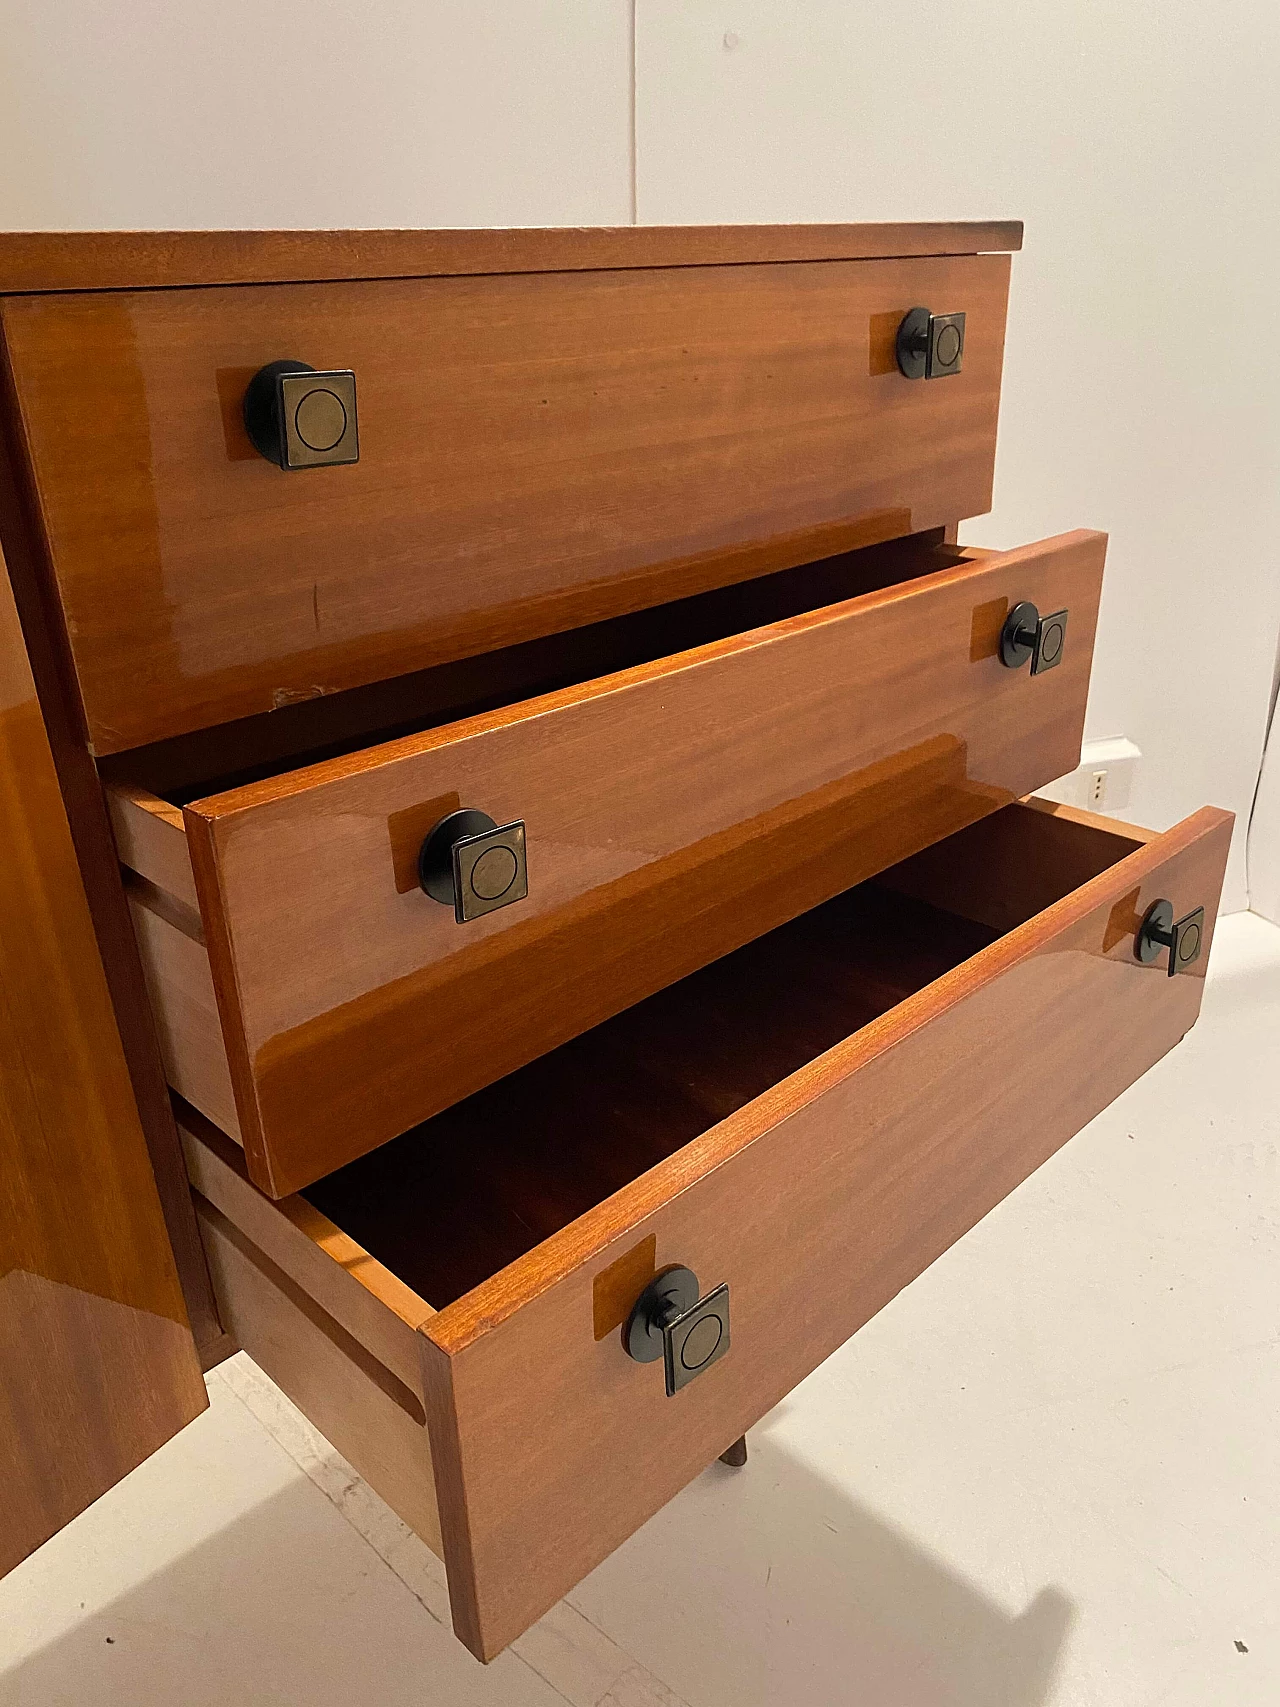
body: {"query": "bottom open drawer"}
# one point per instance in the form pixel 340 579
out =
pixel 809 1121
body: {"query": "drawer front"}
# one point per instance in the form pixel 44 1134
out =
pixel 672 813
pixel 816 1203
pixel 536 451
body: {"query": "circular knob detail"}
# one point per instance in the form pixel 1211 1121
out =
pixel 1018 636
pixel 929 346
pixel 297 417
pixel 494 873
pixel 1026 634
pixel 1184 937
pixel 669 1321
pixel 472 864
pixel 667 1296
pixel 320 419
pixel 913 343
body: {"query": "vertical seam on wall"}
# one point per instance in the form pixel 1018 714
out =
pixel 634 196
pixel 1270 733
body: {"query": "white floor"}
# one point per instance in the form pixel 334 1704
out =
pixel 1049 1473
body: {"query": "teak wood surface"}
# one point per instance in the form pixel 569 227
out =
pixel 812 1121
pixel 25 550
pixel 673 812
pixel 210 761
pixel 343 1348
pixel 538 451
pixel 816 1203
pixel 373 1421
pixel 145 260
pixel 97 1362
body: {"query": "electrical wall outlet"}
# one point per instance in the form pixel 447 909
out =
pixel 1102 781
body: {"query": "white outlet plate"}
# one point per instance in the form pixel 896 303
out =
pixel 1102 781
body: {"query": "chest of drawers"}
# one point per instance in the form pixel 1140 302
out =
pixel 559 854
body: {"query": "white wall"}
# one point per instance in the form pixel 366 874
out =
pixel 238 113
pixel 1137 140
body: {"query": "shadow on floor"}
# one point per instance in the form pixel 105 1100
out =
pixel 286 1605
pixel 770 1587
pixel 761 1587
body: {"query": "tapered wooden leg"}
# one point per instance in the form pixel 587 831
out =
pixel 736 1456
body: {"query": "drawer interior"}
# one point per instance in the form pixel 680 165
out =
pixel 514 1163
pixel 210 761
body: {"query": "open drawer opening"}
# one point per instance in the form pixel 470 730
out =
pixel 805 1124
pixel 459 1197
pixel 211 761
pixel 316 995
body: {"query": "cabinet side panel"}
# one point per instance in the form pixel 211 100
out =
pixel 97 1362
pixel 41 657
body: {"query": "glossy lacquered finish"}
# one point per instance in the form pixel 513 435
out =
pixel 97 1363
pixel 537 451
pixel 811 1122
pixel 671 813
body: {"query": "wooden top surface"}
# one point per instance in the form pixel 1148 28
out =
pixel 146 260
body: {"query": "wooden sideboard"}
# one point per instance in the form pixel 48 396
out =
pixel 524 907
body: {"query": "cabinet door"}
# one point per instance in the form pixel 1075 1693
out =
pixel 97 1362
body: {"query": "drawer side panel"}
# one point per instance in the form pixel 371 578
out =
pixel 284 1334
pixel 180 985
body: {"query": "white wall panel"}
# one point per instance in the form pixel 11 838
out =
pixel 240 113
pixel 1139 142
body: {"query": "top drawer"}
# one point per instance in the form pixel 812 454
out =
pixel 537 451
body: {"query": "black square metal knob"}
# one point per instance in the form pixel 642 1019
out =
pixel 1027 634
pixel 696 1339
pixel 1050 642
pixel 319 412
pixel 669 1321
pixel 297 417
pixel 1184 937
pixel 946 345
pixel 489 871
pixel 474 865
pixel 930 346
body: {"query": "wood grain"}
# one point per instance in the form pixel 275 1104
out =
pixel 324 1372
pixel 188 1029
pixel 674 811
pixel 144 260
pixel 97 1362
pixel 816 1203
pixel 538 451
pixel 813 1120
pixel 209 761
pixel 364 1297
pixel 49 663
pixel 1014 864
pixel 151 839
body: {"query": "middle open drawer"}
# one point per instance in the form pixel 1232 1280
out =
pixel 314 1001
